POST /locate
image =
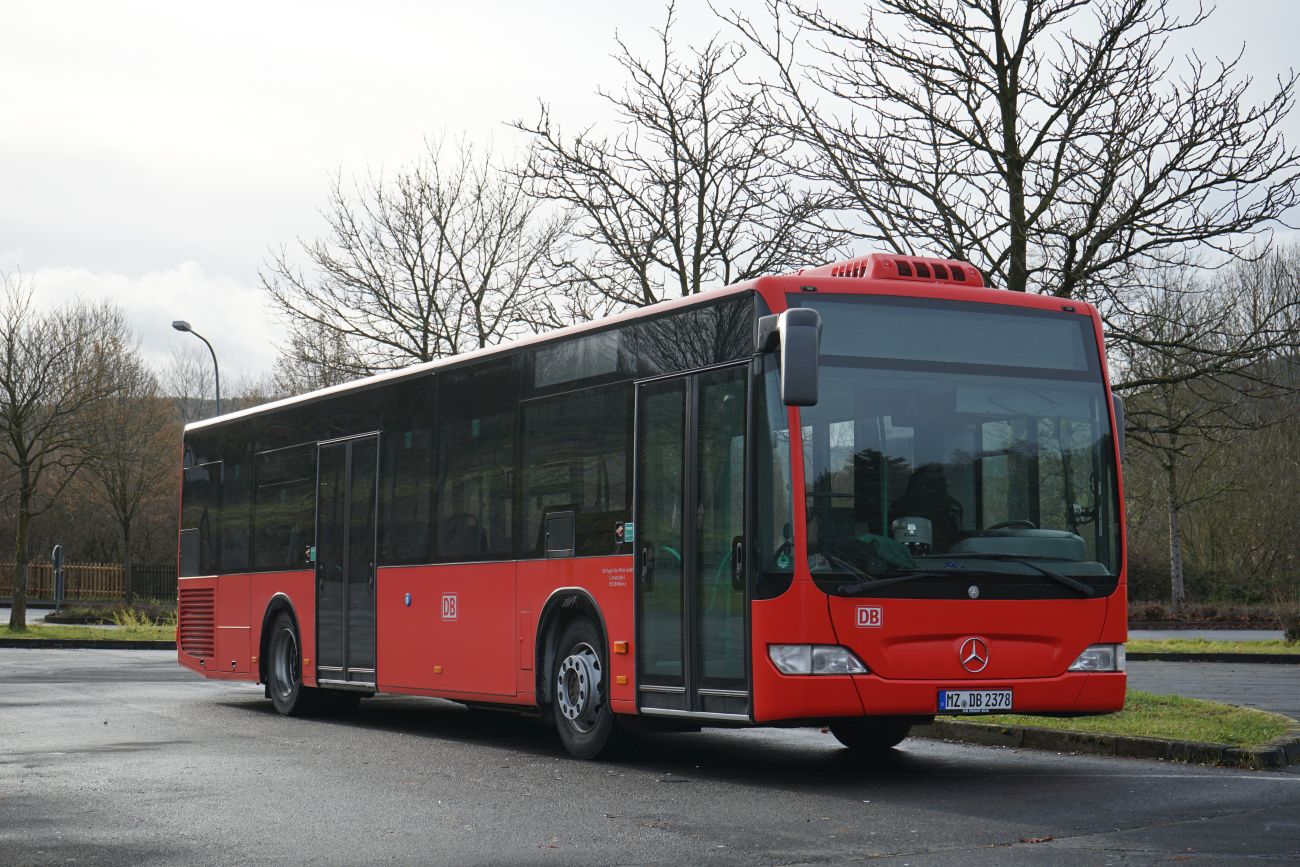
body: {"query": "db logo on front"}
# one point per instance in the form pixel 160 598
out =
pixel 870 616
pixel 449 606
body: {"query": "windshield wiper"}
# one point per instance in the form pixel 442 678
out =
pixel 872 583
pixel 1027 560
pixel 866 582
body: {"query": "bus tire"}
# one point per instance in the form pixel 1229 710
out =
pixel 284 670
pixel 871 734
pixel 580 696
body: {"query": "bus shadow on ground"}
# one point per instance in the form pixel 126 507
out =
pixel 788 757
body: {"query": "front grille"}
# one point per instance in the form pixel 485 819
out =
pixel 197 619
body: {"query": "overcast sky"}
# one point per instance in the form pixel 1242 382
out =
pixel 152 152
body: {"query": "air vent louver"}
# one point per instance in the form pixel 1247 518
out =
pixel 197 621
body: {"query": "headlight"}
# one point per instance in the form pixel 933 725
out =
pixel 1100 657
pixel 814 659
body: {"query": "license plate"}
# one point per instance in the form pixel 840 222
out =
pixel 974 700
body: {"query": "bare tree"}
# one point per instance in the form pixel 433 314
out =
pixel 132 444
pixel 686 195
pixel 1212 361
pixel 439 259
pixel 314 357
pixel 1055 144
pixel 187 379
pixel 54 367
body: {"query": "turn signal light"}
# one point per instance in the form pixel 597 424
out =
pixel 814 659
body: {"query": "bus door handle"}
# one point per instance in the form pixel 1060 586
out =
pixel 738 563
pixel 648 566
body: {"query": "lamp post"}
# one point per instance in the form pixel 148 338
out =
pixel 182 325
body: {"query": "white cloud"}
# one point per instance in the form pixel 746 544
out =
pixel 144 135
pixel 227 311
pixel 147 134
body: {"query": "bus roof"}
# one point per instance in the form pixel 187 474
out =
pixel 428 366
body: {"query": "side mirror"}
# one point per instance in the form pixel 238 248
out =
pixel 1118 403
pixel 797 333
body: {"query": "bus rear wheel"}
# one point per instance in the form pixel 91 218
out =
pixel 867 735
pixel 284 670
pixel 580 696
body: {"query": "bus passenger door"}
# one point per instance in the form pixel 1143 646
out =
pixel 345 561
pixel 691 587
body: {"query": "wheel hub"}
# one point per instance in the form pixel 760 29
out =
pixel 285 662
pixel 577 692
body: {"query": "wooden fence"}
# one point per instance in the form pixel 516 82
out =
pixel 90 581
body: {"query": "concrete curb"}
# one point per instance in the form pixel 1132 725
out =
pixel 1216 625
pixel 1277 753
pixel 82 643
pixel 1240 658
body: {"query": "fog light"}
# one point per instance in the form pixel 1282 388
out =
pixel 791 658
pixel 814 659
pixel 1100 657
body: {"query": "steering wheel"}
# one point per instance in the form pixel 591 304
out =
pixel 1007 525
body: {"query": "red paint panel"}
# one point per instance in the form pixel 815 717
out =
pixel 299 588
pixel 527 627
pixel 1102 692
pixel 1115 629
pixel 233 628
pixel 1069 692
pixel 609 582
pixel 461 618
pixel 796 617
pixel 919 639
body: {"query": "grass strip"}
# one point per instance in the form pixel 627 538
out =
pixel 92 633
pixel 1169 717
pixel 1209 645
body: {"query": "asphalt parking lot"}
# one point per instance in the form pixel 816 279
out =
pixel 1273 687
pixel 122 757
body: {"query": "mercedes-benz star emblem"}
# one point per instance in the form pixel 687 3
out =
pixel 974 655
pixel 973 592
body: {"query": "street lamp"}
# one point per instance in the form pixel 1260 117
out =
pixel 182 325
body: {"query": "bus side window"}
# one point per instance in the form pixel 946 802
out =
pixel 575 459
pixel 284 507
pixel 474 476
pixel 200 514
pixel 406 472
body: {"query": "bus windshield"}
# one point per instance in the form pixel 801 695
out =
pixel 966 446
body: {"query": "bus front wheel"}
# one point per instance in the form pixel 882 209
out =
pixel 580 696
pixel 284 671
pixel 871 734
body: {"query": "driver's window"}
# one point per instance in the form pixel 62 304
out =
pixel 995 473
pixel 1053 472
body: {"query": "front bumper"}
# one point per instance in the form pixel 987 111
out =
pixel 1073 692
pixel 808 697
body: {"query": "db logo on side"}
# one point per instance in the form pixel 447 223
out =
pixel 870 616
pixel 449 606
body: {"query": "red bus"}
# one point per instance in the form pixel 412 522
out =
pixel 857 496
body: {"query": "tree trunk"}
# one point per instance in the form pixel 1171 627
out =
pixel 128 585
pixel 1177 594
pixel 18 614
pixel 1018 260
